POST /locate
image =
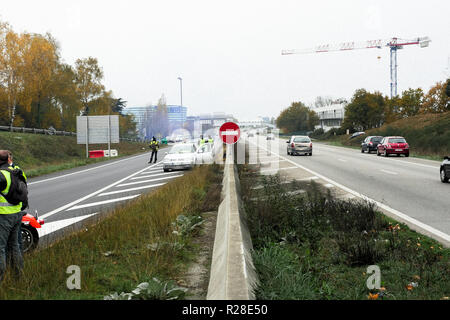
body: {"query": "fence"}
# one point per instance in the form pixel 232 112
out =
pixel 49 132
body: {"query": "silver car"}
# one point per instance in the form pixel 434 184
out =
pixel 299 145
pixel 181 156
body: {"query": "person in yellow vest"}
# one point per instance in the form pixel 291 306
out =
pixel 10 220
pixel 154 146
pixel 210 140
pixel 202 140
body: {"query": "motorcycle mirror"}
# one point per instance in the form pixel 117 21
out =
pixel 36 215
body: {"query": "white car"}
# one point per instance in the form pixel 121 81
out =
pixel 205 154
pixel 181 156
pixel 179 138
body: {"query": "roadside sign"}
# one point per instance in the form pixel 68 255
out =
pixel 230 132
pixel 97 130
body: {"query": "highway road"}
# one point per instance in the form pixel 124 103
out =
pixel 70 196
pixel 408 185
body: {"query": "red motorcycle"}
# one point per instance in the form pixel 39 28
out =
pixel 29 233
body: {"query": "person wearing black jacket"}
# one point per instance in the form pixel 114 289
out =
pixel 154 146
pixel 10 220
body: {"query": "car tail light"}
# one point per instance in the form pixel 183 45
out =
pixel 41 222
pixel 371 143
pixel 310 145
pixel 407 146
pixel 292 145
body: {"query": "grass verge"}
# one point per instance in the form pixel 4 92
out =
pixel 310 245
pixel 147 238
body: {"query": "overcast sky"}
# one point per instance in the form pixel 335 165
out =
pixel 229 52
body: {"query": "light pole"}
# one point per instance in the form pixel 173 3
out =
pixel 181 89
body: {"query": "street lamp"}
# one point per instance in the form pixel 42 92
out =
pixel 181 89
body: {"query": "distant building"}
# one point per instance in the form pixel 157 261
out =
pixel 330 116
pixel 260 122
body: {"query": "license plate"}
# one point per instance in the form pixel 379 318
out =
pixel 398 149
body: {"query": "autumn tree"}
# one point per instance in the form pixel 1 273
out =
pixel 88 81
pixel 38 90
pixel 447 88
pixel 365 111
pixel 12 71
pixel 411 102
pixel 297 117
pixel 40 63
pixel 160 120
pixel 436 100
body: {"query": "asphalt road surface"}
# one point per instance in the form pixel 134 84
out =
pixel 408 185
pixel 68 197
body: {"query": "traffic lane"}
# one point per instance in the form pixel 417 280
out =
pixel 411 161
pixel 120 192
pixel 390 165
pixel 107 197
pixel 415 192
pixel 99 204
pixel 49 194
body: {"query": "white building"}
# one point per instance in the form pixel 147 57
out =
pixel 330 116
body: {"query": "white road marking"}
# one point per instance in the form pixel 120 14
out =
pixel 82 171
pixel 308 179
pixel 145 181
pixel 289 168
pixel 388 172
pixel 131 189
pixel 50 227
pixel 48 214
pixel 276 161
pixel 153 175
pixel 152 170
pixel 409 220
pixel 329 185
pixel 92 204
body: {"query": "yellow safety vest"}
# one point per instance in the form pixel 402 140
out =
pixel 154 143
pixel 5 206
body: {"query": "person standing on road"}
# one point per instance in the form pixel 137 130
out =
pixel 202 140
pixel 154 146
pixel 10 221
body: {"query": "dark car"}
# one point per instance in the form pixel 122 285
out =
pixel 393 145
pixel 370 144
pixel 445 169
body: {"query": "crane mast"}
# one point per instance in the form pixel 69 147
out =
pixel 394 44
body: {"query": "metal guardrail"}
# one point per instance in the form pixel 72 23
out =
pixel 37 131
pixel 49 132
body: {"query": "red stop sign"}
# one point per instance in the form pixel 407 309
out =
pixel 230 132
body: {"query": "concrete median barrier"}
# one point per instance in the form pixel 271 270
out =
pixel 233 276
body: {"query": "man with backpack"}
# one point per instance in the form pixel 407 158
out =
pixel 13 199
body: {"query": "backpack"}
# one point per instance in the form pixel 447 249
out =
pixel 18 190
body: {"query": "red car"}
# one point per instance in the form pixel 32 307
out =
pixel 393 145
